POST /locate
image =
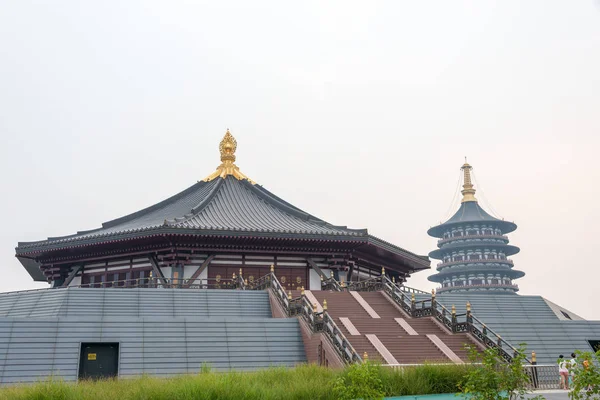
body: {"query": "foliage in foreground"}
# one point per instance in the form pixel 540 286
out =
pixel 496 379
pixel 302 382
pixel 586 376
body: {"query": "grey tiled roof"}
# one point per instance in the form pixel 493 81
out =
pixel 471 211
pixel 215 207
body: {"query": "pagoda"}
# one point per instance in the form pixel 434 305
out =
pixel 473 249
pixel 222 225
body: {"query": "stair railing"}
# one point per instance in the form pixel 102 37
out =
pixel 457 323
pixel 318 321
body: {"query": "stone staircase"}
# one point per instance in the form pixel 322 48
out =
pixel 374 324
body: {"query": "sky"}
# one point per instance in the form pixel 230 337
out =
pixel 360 113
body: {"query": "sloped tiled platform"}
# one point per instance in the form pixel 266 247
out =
pixel 160 331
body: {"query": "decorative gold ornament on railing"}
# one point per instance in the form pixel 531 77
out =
pixel 227 148
pixel 272 267
pixel 533 357
pixel 321 278
pixel 453 309
pixel 233 276
pixel 331 274
pixel 468 191
pixel 468 307
pixel 314 307
pixel 365 356
pixel 325 305
pixel 394 280
pixel 290 295
pixel 302 291
pixel 240 272
pixel 433 293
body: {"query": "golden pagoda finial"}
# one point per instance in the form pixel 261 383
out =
pixel 468 191
pixel 227 148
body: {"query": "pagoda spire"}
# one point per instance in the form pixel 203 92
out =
pixel 468 191
pixel 227 148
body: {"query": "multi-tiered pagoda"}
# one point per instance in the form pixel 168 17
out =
pixel 473 249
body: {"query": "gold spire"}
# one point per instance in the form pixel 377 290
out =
pixel 468 191
pixel 227 148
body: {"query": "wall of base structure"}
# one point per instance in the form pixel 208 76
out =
pixel 151 341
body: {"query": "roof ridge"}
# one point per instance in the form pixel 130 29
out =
pixel 273 200
pixel 129 217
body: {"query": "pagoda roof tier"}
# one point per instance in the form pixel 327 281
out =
pixel 508 249
pixel 227 205
pixel 475 269
pixel 471 212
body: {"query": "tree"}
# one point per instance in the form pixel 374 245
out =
pixel 586 377
pixel 495 379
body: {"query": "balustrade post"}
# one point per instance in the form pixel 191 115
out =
pixel 499 341
pixel 453 318
pixel 382 274
pixel 484 330
pixel 412 304
pixel 469 317
pixel 534 371
pixel 433 308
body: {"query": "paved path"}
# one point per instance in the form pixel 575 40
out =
pixel 548 394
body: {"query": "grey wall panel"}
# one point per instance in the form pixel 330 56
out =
pixel 34 348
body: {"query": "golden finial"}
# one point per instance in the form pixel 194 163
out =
pixel 412 297
pixel 453 309
pixel 325 305
pixel 432 292
pixel 382 271
pixel 331 274
pixel 246 281
pixel 315 307
pixel 468 307
pixel 240 272
pixel 233 276
pixel 365 356
pixel 290 295
pixel 272 268
pixel 302 291
pixel 321 278
pixel 227 148
pixel 468 191
pixel 393 279
pixel 533 357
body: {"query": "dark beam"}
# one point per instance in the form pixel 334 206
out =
pixel 199 271
pixel 72 275
pixel 315 267
pixel 156 269
pixel 350 271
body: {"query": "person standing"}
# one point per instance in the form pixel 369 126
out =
pixel 572 366
pixel 564 372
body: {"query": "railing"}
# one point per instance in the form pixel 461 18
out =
pixel 330 284
pixel 484 285
pixel 204 283
pixel 318 322
pixel 542 377
pixel 457 323
pixel 483 260
pixel 466 237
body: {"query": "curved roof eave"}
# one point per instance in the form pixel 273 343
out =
pixel 470 212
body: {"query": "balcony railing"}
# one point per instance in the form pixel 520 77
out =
pixel 467 237
pixel 483 285
pixel 484 260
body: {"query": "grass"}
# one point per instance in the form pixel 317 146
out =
pixel 302 382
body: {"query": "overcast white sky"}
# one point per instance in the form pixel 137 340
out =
pixel 357 112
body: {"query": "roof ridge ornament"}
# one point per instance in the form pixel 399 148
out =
pixel 468 191
pixel 227 148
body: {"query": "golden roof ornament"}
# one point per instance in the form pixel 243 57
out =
pixel 468 191
pixel 227 148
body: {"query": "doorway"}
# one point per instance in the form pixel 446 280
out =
pixel 99 360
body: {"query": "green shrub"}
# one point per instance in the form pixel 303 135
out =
pixel 586 377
